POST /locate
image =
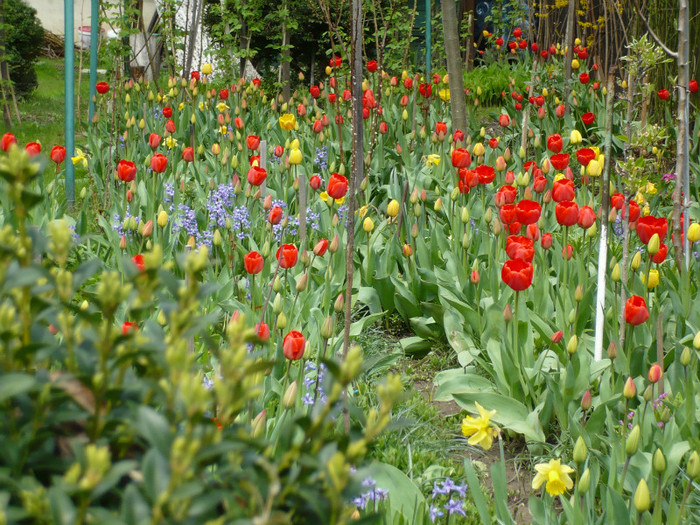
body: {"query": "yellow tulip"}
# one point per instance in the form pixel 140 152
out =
pixel 295 156
pixel 368 225
pixel 392 210
pixel 444 95
pixel 287 121
pixel 206 69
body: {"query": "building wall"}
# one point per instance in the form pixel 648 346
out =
pixel 50 12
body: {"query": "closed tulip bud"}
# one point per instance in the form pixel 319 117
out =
pixel 507 155
pixel 414 196
pixel 632 443
pixel 496 226
pixel 523 179
pixel 488 216
pixel 334 245
pixel 265 252
pixel 258 424
pixel 147 229
pixel 694 232
pixel 659 461
pixel 474 277
pixel 578 294
pixel 414 230
pixel 478 149
pixel 122 242
pixel 592 231
pixel 630 389
pixel 339 304
pixel 508 314
pixel 580 451
pixel 455 194
pixel 556 336
pixel 290 396
pixel 694 466
pixel 572 345
pixel 642 500
pixel 616 273
pixel 392 210
pixel 277 284
pixel 572 316
pixel 404 115
pixel 277 304
pixel 328 327
pixel 586 400
pixel 438 204
pixel 363 184
pixel 612 350
pixel 521 152
pixel 368 225
pixel 465 215
pixel 648 393
pixel 696 341
pixel 654 244
pixel 302 282
pixel 407 250
pixel 281 321
pixel 655 373
pixel 636 261
pixel 685 356
pixel 575 137
pixel 466 242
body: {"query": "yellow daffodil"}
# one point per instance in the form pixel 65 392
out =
pixel 639 197
pixel 651 189
pixel 340 201
pixel 170 142
pixel 221 106
pixel 79 158
pixel 181 106
pixel 555 475
pixel 444 95
pixel 201 105
pixel 363 211
pixel 479 428
pixel 287 121
pixel 323 196
pixel 223 130
pixel 433 160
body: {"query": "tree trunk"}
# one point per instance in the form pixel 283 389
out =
pixel 569 48
pixel 454 65
pixel 284 66
pixel 682 144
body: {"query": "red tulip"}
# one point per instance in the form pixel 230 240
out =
pixel 58 154
pixel 275 215
pixel 138 262
pixel 383 128
pixel 441 127
pixel 664 94
pixel 167 112
pixel 517 274
pixel 655 373
pixel 102 87
pixel 555 143
pixel 253 142
pixel 238 122
pixel 527 212
pixel 315 91
pixel 332 98
pixel 532 232
pixel 567 213
pixel 586 217
pixel 585 156
pixel 649 225
pixel 567 252
pixel 128 327
pixel 556 336
pixel 520 248
pixel 636 310
pixel 560 111
pixel 287 256
pixel 517 32
pixel 194 75
pixel 425 90
pixel 588 118
pixel 372 66
pixel 256 175
pixel 7 140
pixel 154 140
pixel 188 154
pixel 33 148
pixel 584 78
pixel 539 102
pixel 485 173
pixel 461 158
pixel 336 61
pixel 159 162
pixel 337 186
pixel 660 256
pixel 539 184
pixel 504 120
pixel 321 247
pixel 499 41
pixel 253 263
pixel 560 161
pixel 126 170
pixel 546 241
pixel 293 345
pixel 223 94
pixel 507 213
pixel 170 126
pixel 458 136
pixel 262 331
pixel 563 190
pixel 508 194
pixel 693 86
pixel 347 95
pixel 493 142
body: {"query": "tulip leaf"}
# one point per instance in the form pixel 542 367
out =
pixel 404 496
pixel 456 381
pixel 415 345
pixel 14 384
pixel 62 509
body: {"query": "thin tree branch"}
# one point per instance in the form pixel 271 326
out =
pixel 663 46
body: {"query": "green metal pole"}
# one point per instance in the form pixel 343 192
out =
pixel 69 74
pixel 428 37
pixel 94 37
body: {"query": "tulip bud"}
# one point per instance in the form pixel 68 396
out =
pixel 659 461
pixel 632 443
pixel 488 216
pixel 328 327
pixel 290 396
pixel 339 304
pixel 277 284
pixel 578 294
pixel 694 466
pixel 580 451
pixel 654 244
pixel 122 242
pixel 474 277
pixel 572 345
pixel 302 282
pixel 407 250
pixel 556 336
pixel 696 341
pixel 642 501
pixel 636 261
pixel 508 314
pixel 438 204
pixel 281 321
pixel 584 482
pixel 616 273
pixel 147 229
pixel 414 230
pixel 465 215
pixel 392 210
pixel 417 209
pixel 465 241
pixel 612 350
pixel 586 401
pixel 655 373
pixel 258 424
pixel 368 225
pixel 455 194
pixel 277 304
pixel 630 389
pixel 685 356
pixel 572 316
pixel 334 245
pixel 648 393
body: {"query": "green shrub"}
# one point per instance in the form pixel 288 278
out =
pixel 23 39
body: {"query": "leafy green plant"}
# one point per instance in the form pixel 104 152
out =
pixel 23 39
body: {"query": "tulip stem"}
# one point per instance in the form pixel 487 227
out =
pixel 685 497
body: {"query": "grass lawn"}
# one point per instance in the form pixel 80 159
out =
pixel 42 113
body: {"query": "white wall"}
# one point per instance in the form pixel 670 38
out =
pixel 50 12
